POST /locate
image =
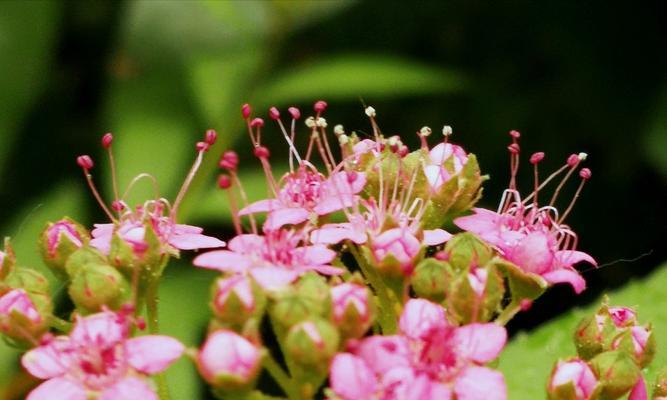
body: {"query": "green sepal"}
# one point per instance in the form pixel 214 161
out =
pixel 310 297
pixel 465 250
pixel 94 286
pixel 86 255
pixel 624 342
pixel 522 285
pixel 431 278
pixel 8 262
pixel 589 338
pixel 57 259
pixel 466 306
pixel 566 391
pixel 234 314
pixel 30 280
pixel 660 386
pixel 617 373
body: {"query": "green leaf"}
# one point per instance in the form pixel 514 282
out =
pixel 655 142
pixel 527 375
pixel 353 75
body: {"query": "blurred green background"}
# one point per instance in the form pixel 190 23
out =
pixel 570 76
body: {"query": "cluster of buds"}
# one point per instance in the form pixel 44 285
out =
pixel 612 348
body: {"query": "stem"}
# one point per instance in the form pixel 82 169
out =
pixel 152 300
pixel 280 376
pixel 387 316
pixel 508 313
pixel 60 324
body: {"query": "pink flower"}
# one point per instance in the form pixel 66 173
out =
pixel 429 359
pixel 446 160
pixel 17 301
pixel 99 359
pixel 228 359
pixel 132 229
pixel 576 373
pixel 306 192
pixel 273 260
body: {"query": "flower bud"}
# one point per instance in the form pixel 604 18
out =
pixel 353 310
pixel 312 344
pixel 395 250
pixel 660 387
pixel 431 278
pixel 235 299
pixel 475 296
pixel 30 280
pixel 637 341
pixel 571 380
pixel 589 337
pixel 96 285
pixel 617 372
pixel 310 297
pixel 465 250
pixel 622 316
pixel 19 317
pixel 7 260
pixel 59 240
pixel 229 361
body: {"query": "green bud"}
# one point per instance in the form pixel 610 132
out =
pixel 83 257
pixel 310 297
pixel 638 342
pixel 589 337
pixel 617 372
pixel 24 317
pixel 29 280
pixel 59 240
pixel 431 278
pixel 465 250
pixel 660 387
pixel 475 296
pixel 312 344
pixel 97 285
pixel 235 300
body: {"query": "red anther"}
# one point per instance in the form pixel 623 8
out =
pixel 127 309
pixel 141 323
pixel 246 110
pixel 262 152
pixel 585 173
pixel 403 151
pixel 224 181
pixel 320 106
pixel 294 112
pixel 515 134
pixel 117 205
pixel 573 160
pixel 351 176
pixel 514 148
pixel 229 160
pixel 201 146
pixel 257 123
pixel 441 255
pixel 525 304
pixel 85 162
pixel 106 140
pixel 210 137
pixel 274 113
pixel 537 157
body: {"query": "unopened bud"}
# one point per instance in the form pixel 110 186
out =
pixel 637 341
pixel 466 250
pixel 262 152
pixel 257 123
pixel 571 380
pixel 585 173
pixel 95 286
pixel 320 106
pixel 235 299
pixel 59 240
pixel 536 157
pixel 229 361
pixel 352 309
pixel 294 112
pixel 274 113
pixel 224 181
pixel 85 162
pixel 589 338
pixel 210 137
pixel 660 387
pixel 430 279
pixel 312 344
pixel 246 110
pixel 106 140
pixel 370 111
pixel 425 131
pixel 7 260
pixel 617 372
pixel 19 317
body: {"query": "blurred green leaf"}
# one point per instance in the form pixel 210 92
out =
pixel 527 375
pixel 345 76
pixel 655 142
pixel 26 38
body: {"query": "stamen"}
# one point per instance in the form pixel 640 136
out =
pixel 107 139
pixel 585 175
pixel 263 154
pixel 514 150
pixel 447 131
pixel 535 159
pixel 225 183
pixel 275 115
pixel 86 163
pixel 423 133
pixel 573 162
pixel 246 110
pixel 201 149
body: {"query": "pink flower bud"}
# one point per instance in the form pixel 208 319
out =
pixel 399 243
pixel 573 160
pixel 246 110
pixel 85 162
pixel 294 112
pixel 585 173
pixel 576 373
pixel 224 182
pixel 262 152
pixel 62 230
pixel 537 157
pixel 228 360
pixel 106 140
pixel 210 137
pixel 234 300
pixel 312 343
pixel 351 309
pixel 320 106
pixel 622 316
pixel 257 123
pixel 515 134
pixel 17 300
pixel 274 113
pixel 229 160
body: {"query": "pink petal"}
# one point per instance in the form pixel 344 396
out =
pixel 564 275
pixel 101 328
pixel 324 269
pixel 436 175
pixel 436 236
pixel 484 223
pixel 333 203
pixel 192 241
pixel 58 389
pixel 154 353
pixel 479 383
pixel 383 353
pixel 273 278
pixel 351 378
pixel 246 243
pixel 423 388
pixel 421 317
pixel 129 389
pixel 336 233
pixel 571 257
pixel 102 243
pixel 639 390
pixel 182 228
pixel 261 206
pixel 315 254
pixel 223 260
pixel 102 230
pixel 480 342
pixel 49 360
pixel 284 216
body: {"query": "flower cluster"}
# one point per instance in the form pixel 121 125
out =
pixel 341 281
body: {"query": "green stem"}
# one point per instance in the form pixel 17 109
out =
pixel 387 314
pixel 152 300
pixel 60 324
pixel 280 376
pixel 508 313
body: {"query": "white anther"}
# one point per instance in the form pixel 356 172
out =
pixel 582 156
pixel 310 122
pixel 425 131
pixel 370 111
pixel 394 141
pixel 339 130
pixel 321 122
pixel 343 139
pixel 447 130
